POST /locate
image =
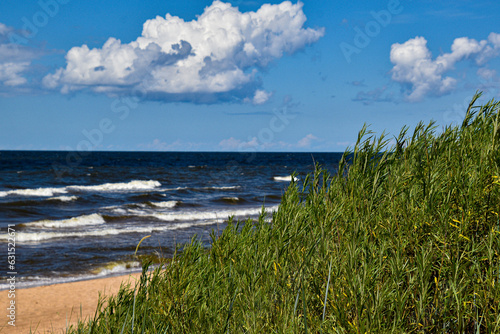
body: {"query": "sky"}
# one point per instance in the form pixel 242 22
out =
pixel 240 75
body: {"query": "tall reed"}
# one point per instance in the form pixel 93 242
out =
pixel 401 239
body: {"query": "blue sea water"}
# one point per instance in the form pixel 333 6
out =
pixel 79 217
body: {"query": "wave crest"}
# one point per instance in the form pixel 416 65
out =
pixel 93 219
pixel 107 187
pixel 285 178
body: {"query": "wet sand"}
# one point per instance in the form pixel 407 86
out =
pixel 52 308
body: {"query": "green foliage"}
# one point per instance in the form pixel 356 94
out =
pixel 401 239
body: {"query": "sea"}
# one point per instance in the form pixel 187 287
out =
pixel 76 216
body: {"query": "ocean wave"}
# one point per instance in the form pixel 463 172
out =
pixel 41 192
pixel 123 268
pixel 110 187
pixel 175 189
pixel 222 188
pixel 117 210
pixel 186 215
pixel 93 219
pixel 43 236
pixel 168 204
pixel 63 198
pixel 285 178
pixel 116 267
pixel 231 199
pixel 107 187
pixel 179 220
pixel 38 237
pixel 202 188
pixel 210 215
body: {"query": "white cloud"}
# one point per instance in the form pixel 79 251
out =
pixel 261 96
pixel 177 145
pixel 487 74
pixel 3 29
pixel 414 66
pixel 14 60
pixel 494 39
pixel 307 141
pixel 216 56
pixel 256 144
pixel 229 144
pixel 233 144
pixel 10 73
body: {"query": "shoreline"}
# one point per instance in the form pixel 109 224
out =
pixel 53 308
pixel 47 281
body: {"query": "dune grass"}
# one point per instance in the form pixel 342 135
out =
pixel 401 239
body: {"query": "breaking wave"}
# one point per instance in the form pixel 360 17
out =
pixel 93 219
pixel 285 178
pixel 107 187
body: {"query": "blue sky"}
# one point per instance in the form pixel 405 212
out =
pixel 239 75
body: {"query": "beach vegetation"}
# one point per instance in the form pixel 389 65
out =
pixel 403 238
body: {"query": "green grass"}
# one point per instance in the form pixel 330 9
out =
pixel 401 239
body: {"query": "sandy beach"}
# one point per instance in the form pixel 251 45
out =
pixel 51 308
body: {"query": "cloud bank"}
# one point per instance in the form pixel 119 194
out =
pixel 254 144
pixel 215 57
pixel 415 68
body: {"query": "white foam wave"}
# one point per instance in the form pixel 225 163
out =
pixel 117 210
pixel 222 188
pixel 63 198
pixel 34 281
pixel 38 237
pixel 116 267
pixel 285 178
pixel 168 204
pixel 93 219
pixel 42 192
pixel 42 236
pixel 229 198
pixel 210 215
pixel 109 187
pixel 183 220
pixel 191 215
pixel 175 189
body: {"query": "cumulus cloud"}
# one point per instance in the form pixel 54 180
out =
pixel 307 141
pixel 217 56
pixel 14 60
pixel 415 68
pixel 260 97
pixel 233 144
pixel 10 73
